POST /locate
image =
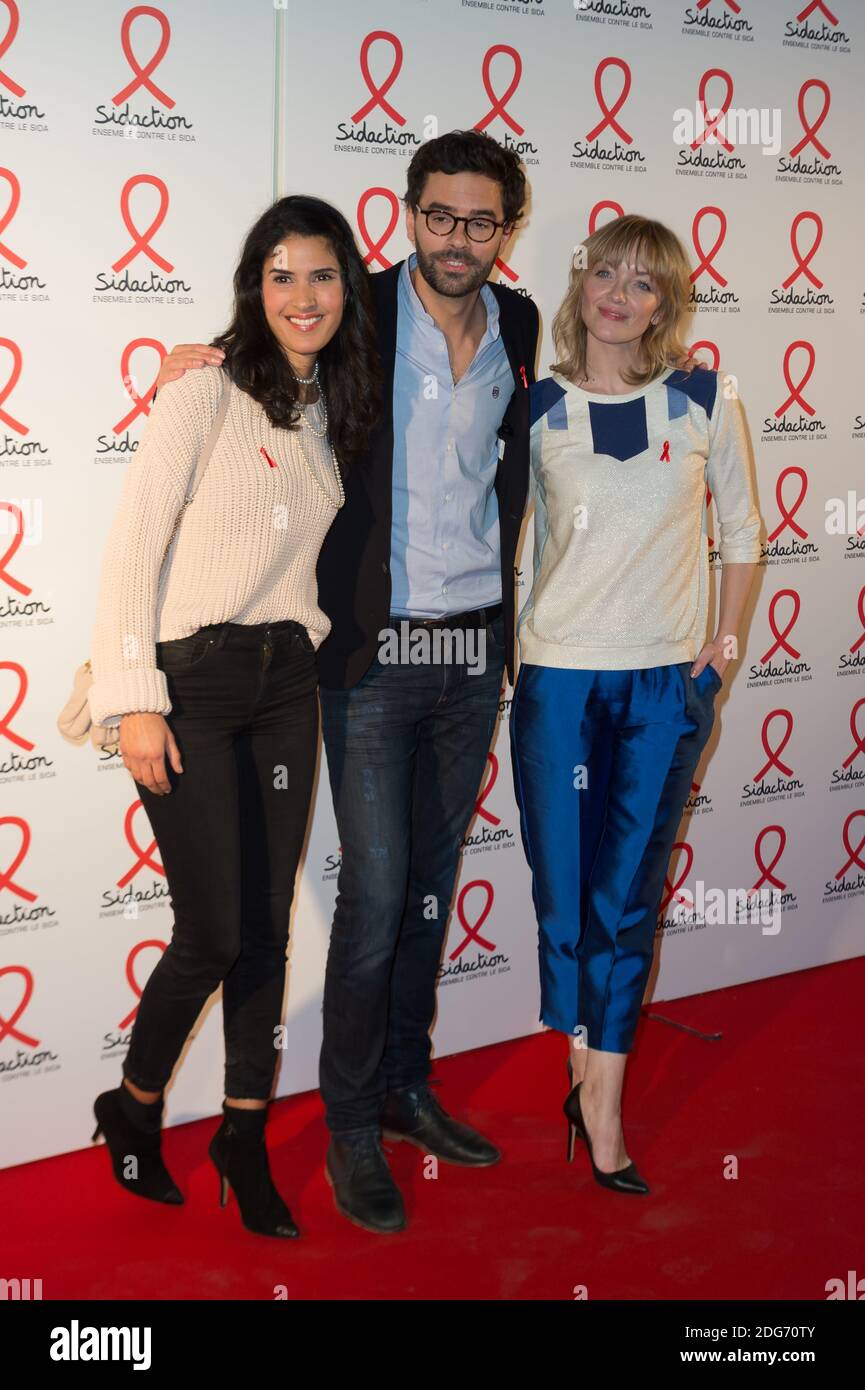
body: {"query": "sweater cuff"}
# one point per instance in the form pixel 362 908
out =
pixel 740 552
pixel 128 692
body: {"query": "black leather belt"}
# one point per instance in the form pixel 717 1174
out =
pixel 476 617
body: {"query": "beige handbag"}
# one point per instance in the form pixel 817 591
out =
pixel 74 721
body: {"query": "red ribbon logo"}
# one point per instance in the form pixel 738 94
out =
pixel 17 513
pixel 861 607
pixel 787 514
pixel 810 136
pixel 711 123
pixel 15 706
pixel 853 853
pixel 141 240
pixel 816 5
pixel 374 251
pixel 142 75
pixel 11 383
pixel 499 104
pixel 6 42
pixel 665 452
pixel 859 745
pixel 130 975
pixel 610 112
pixel 473 929
pixel 774 759
pixel 706 259
pixel 14 200
pixel 6 877
pixel 766 875
pixel 378 93
pixel 781 637
pixel 606 204
pixel 485 791
pixel 711 348
pixel 7 1025
pixel 671 890
pixel 796 388
pixel 141 403
pixel 731 4
pixel 710 538
pixel 144 855
pixel 802 263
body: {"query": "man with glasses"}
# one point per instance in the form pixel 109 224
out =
pixel 423 548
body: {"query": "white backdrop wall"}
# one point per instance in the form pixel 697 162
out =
pixel 138 145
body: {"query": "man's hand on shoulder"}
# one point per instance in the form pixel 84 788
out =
pixel 184 356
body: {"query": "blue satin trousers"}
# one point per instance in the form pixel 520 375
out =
pixel 603 763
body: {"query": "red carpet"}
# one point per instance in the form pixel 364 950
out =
pixel 780 1091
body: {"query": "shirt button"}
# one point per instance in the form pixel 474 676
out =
pixel 445 545
pixel 384 566
pixel 444 588
pixel 450 444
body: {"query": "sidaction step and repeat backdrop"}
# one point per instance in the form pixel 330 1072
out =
pixel 138 145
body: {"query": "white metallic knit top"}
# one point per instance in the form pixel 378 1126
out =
pixel 621 568
pixel 245 550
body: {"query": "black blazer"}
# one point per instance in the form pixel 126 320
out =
pixel 353 571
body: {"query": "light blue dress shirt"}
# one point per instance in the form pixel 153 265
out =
pixel 445 546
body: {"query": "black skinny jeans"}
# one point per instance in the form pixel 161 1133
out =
pixel 230 833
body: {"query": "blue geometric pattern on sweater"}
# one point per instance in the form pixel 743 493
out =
pixel 548 395
pixel 619 429
pixel 701 385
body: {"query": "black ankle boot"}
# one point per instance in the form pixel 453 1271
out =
pixel 239 1154
pixel 133 1135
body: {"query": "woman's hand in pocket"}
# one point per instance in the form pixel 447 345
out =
pixel 712 654
pixel 145 739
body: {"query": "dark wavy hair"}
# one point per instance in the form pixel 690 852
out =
pixel 469 152
pixel 349 365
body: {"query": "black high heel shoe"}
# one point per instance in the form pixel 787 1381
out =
pixel 132 1131
pixel 239 1154
pixel 622 1179
pixel 574 1127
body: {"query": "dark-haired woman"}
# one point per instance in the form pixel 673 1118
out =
pixel 206 659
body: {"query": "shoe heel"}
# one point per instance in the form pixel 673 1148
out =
pixel 223 1191
pixel 96 1133
pixel 572 1134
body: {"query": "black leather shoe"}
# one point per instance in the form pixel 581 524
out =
pixel 413 1113
pixel 363 1186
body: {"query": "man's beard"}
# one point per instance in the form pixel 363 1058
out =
pixel 442 282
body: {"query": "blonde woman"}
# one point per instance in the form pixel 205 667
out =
pixel 615 696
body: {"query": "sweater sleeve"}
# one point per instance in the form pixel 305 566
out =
pixel 126 678
pixel 729 474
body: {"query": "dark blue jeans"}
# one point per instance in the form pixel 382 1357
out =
pixel 406 751
pixel 230 832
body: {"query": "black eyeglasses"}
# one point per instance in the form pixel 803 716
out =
pixel 477 228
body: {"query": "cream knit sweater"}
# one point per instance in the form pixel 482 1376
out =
pixel 245 550
pixel 621 566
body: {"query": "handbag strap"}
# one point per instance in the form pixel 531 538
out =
pixel 215 431
pixel 204 456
